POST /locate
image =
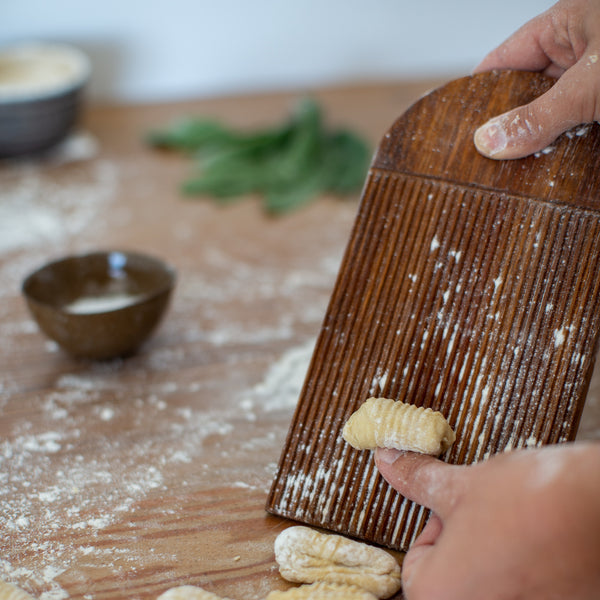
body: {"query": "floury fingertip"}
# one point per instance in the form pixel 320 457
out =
pixel 490 138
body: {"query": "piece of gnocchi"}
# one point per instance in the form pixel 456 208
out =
pixel 386 423
pixel 12 592
pixel 188 592
pixel 322 591
pixel 306 555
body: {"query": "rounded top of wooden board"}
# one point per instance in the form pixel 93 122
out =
pixel 434 139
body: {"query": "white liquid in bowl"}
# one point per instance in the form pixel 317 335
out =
pixel 87 305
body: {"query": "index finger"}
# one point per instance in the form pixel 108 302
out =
pixel 420 477
pixel 517 52
pixel 523 50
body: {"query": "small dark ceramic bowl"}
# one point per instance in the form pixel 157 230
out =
pixel 41 91
pixel 100 305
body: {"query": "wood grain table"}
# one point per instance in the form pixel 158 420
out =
pixel 122 479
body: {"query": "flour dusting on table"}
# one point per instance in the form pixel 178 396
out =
pixel 37 211
pixel 50 481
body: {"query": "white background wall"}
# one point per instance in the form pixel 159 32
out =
pixel 145 50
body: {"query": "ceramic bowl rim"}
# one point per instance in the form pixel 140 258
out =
pixel 166 287
pixel 78 82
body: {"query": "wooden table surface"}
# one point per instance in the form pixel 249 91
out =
pixel 122 479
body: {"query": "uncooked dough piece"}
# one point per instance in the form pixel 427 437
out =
pixel 12 592
pixel 188 592
pixel 385 423
pixel 322 591
pixel 306 555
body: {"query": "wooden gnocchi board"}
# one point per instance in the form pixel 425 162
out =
pixel 468 285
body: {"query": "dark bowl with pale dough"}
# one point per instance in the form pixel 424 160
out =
pixel 41 96
pixel 100 305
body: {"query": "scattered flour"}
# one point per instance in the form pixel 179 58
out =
pixel 46 484
pixel 559 337
pixel 283 381
pixel 37 211
pixel 55 476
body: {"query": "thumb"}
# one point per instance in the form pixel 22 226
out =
pixel 530 128
pixel 420 477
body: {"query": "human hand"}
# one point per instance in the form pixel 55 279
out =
pixel 524 524
pixel 563 42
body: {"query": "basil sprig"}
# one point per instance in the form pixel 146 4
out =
pixel 287 166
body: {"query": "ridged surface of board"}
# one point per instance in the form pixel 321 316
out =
pixel 482 304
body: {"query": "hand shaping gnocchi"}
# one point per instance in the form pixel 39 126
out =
pixel 385 423
pixel 305 555
pixel 188 592
pixel 322 591
pixel 12 592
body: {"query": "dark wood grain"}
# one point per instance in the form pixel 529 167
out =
pixel 469 285
pixel 434 139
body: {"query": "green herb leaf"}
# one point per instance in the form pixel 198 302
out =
pixel 288 165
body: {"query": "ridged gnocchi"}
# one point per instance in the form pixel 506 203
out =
pixel 12 592
pixel 386 423
pixel 188 592
pixel 306 555
pixel 322 591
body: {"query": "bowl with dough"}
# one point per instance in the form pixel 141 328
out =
pixel 100 305
pixel 41 94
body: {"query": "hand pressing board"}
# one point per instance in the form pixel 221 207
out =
pixel 470 286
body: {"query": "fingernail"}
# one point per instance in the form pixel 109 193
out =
pixel 490 138
pixel 388 456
